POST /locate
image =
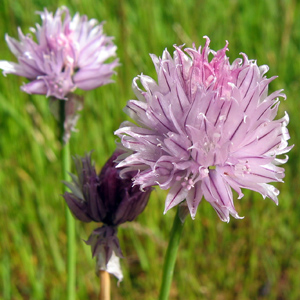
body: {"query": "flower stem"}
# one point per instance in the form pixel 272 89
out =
pixel 66 167
pixel 170 258
pixel 104 285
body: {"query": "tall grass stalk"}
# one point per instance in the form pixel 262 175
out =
pixel 170 257
pixel 66 167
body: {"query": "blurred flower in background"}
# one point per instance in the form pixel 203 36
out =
pixel 106 198
pixel 69 53
pixel 205 128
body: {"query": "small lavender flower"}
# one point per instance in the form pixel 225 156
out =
pixel 105 198
pixel 205 128
pixel 68 53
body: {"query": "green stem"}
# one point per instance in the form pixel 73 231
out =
pixel 66 167
pixel 170 258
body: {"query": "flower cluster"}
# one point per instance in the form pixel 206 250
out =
pixel 69 53
pixel 105 198
pixel 206 127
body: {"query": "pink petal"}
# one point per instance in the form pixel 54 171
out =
pixel 176 195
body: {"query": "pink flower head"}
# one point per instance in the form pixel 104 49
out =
pixel 205 128
pixel 68 53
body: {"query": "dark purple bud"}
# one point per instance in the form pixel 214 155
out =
pixel 84 201
pixel 123 201
pixel 106 198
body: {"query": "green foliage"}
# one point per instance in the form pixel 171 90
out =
pixel 254 258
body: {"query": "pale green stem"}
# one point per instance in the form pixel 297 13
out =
pixel 66 167
pixel 170 258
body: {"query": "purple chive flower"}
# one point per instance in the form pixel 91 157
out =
pixel 205 128
pixel 105 198
pixel 68 53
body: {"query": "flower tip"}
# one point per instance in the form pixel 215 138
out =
pixel 193 216
pixel 7 37
pixel 3 71
pixel 241 195
pixel 236 215
pixel 25 89
pixel 165 210
pixel 207 38
pixel 286 119
pixel 225 219
pixel 264 69
pixel 206 46
pixel 283 96
pixel 226 45
pixel 245 57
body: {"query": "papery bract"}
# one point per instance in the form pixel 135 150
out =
pixel 68 53
pixel 105 246
pixel 204 128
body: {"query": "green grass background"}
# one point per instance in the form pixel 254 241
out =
pixel 254 258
